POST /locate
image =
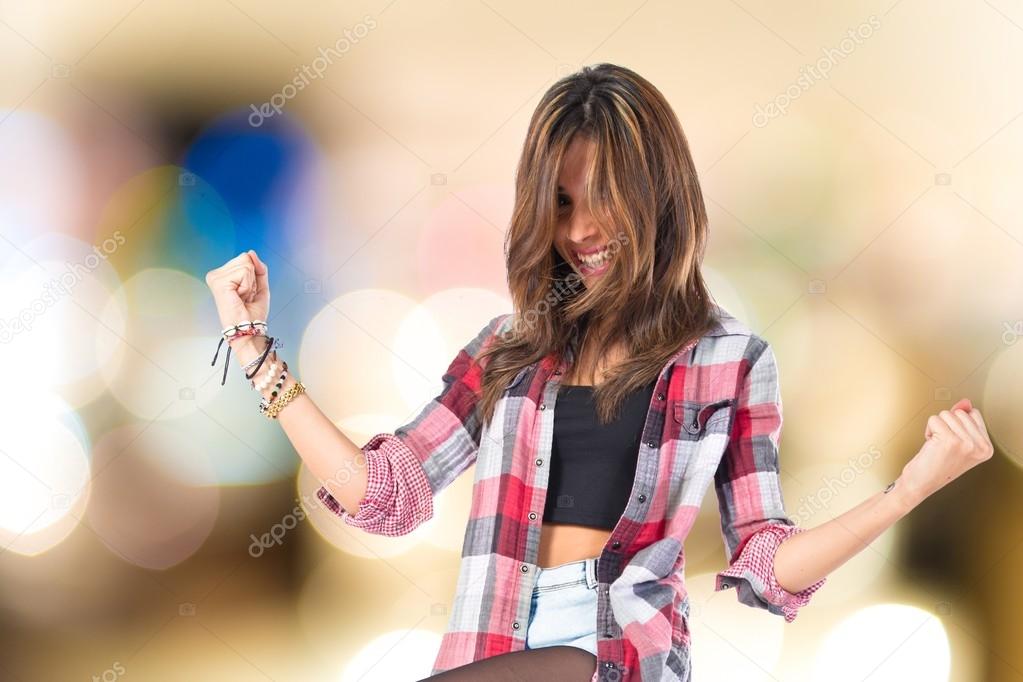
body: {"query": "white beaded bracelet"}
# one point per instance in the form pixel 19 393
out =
pixel 270 374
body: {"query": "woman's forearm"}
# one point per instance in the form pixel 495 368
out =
pixel 804 558
pixel 331 456
pixel 955 441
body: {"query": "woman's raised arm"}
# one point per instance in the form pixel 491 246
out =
pixel 386 486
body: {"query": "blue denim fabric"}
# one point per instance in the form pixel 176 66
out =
pixel 564 606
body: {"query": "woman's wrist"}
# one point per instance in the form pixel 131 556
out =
pixel 267 374
pixel 899 495
pixel 275 388
pixel 247 348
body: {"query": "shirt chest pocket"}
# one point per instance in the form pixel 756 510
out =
pixel 515 386
pixel 695 419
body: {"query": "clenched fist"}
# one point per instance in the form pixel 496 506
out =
pixel 956 441
pixel 241 289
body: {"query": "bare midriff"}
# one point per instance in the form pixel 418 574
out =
pixel 561 543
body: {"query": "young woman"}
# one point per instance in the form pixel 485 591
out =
pixel 598 413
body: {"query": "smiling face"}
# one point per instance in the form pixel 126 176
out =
pixel 578 238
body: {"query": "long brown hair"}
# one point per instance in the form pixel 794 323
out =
pixel 646 197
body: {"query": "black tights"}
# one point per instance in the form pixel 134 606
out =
pixel 565 663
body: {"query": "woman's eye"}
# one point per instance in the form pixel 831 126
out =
pixel 563 201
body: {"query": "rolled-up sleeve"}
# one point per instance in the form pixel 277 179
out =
pixel 748 486
pixel 407 468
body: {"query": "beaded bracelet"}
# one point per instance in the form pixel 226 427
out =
pixel 265 381
pixel 265 403
pixel 270 375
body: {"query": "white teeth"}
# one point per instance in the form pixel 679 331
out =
pixel 594 260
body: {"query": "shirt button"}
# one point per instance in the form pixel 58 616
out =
pixel 660 396
pixel 532 516
pixel 543 406
pixel 641 497
pixel 539 462
pixel 515 625
pixel 650 443
pixel 525 568
pixel 615 544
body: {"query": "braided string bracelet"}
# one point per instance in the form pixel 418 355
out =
pixel 244 328
pixel 262 358
pixel 255 361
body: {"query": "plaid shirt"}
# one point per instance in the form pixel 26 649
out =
pixel 715 416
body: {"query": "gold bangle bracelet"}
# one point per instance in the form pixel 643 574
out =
pixel 283 400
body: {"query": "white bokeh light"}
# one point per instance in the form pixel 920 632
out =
pixel 56 287
pixel 41 188
pixel 164 370
pixel 431 335
pixel 394 655
pixel 351 344
pixel 44 473
pixel 731 641
pixel 885 642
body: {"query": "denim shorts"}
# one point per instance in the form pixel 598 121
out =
pixel 564 606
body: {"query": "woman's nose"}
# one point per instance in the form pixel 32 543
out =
pixel 582 228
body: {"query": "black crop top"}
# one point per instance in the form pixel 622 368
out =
pixel 593 465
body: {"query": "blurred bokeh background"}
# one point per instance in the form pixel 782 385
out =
pixel 860 163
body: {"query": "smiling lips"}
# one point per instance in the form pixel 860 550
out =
pixel 593 261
